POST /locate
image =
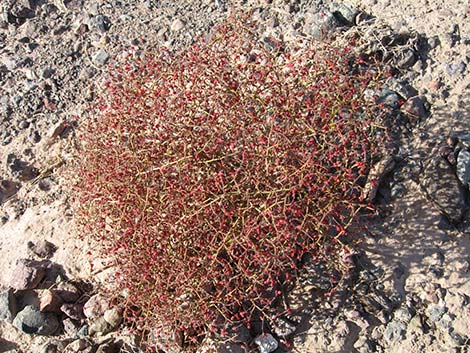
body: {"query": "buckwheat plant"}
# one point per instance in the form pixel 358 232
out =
pixel 209 174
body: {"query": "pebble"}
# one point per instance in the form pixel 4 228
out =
pixel 321 24
pixel 113 317
pixel 454 69
pixel 27 275
pixel 7 306
pixel 108 348
pixel 403 88
pixel 415 107
pixel 388 97
pixel 34 136
pixel 445 321
pixel 395 331
pixel 100 326
pixel 463 167
pixel 266 343
pixel 344 13
pixel 42 248
pixel 100 23
pixel 29 85
pixel 462 138
pixel 406 59
pixel 435 312
pixel 70 327
pixel 457 339
pixel 177 25
pixel 403 314
pixel 30 320
pixel 49 301
pixel 73 311
pixel 95 307
pixel 67 291
pixel 77 346
pixel 100 58
pixel 415 324
pixel 364 345
pixel 83 331
pixel 397 190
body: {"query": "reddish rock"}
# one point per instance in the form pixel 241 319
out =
pixel 67 291
pixel 73 311
pixel 49 301
pixel 27 275
pixel 95 307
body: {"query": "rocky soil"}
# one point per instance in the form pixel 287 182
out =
pixel 408 288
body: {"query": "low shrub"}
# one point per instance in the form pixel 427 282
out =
pixel 209 174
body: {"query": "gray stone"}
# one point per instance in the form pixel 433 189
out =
pixel 43 248
pixel 454 69
pixel 320 25
pixel 463 167
pixel 394 331
pixel 443 188
pixel 100 23
pixel 7 306
pixel 266 343
pixel 406 59
pixel 100 326
pixel 344 13
pixel 83 332
pixel 30 320
pixel 415 107
pixel 457 339
pixel 435 312
pixel 462 138
pixel 403 314
pixel 388 97
pixel 445 321
pixel 113 317
pixel 100 58
pixel 403 88
pixel 27 274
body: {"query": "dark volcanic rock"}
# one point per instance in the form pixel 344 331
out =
pixel 443 188
pixel 43 248
pixel 27 274
pixel 31 320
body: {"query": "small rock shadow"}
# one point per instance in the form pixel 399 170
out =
pixel 6 346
